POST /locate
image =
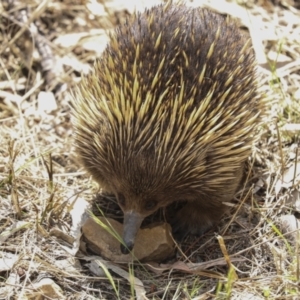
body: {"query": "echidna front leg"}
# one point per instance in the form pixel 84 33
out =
pixel 199 215
pixel 194 218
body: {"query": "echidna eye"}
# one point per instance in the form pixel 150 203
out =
pixel 150 205
pixel 121 199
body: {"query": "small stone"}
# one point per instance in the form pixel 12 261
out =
pixel 289 225
pixel 151 244
pixel 46 102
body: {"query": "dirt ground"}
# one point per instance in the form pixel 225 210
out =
pixel 45 48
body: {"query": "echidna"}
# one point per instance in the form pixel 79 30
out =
pixel 169 113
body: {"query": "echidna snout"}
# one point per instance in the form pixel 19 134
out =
pixel 132 223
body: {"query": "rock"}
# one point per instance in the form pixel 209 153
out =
pixel 151 244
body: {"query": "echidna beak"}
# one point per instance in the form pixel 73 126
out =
pixel 132 223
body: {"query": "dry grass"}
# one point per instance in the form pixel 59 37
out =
pixel 39 174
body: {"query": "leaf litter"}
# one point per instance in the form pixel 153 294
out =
pixel 45 47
